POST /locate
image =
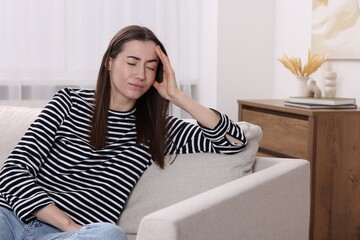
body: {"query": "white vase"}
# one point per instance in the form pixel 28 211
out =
pixel 301 87
pixel 330 84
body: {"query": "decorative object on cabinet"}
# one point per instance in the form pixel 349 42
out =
pixel 303 73
pixel 302 88
pixel 323 100
pixel 314 89
pixel 319 106
pixel 330 84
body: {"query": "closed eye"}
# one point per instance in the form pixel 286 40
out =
pixel 151 68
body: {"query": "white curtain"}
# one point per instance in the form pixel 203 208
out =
pixel 49 44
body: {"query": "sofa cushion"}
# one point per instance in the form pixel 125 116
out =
pixel 188 175
pixel 14 122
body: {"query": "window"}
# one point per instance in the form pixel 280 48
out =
pixel 47 45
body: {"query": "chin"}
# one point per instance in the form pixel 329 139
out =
pixel 135 97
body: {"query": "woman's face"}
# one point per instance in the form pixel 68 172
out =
pixel 132 73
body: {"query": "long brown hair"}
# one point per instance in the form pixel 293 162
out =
pixel 151 108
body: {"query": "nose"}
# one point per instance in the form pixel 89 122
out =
pixel 141 72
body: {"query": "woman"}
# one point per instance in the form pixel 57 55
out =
pixel 71 173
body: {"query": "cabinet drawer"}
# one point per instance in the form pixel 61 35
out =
pixel 281 134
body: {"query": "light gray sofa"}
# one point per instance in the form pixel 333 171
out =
pixel 205 196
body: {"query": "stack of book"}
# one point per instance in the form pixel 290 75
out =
pixel 321 103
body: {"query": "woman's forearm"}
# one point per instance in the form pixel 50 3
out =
pixel 54 216
pixel 205 116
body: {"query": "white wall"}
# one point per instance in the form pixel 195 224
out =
pixel 245 52
pixel 293 37
pixel 205 91
pixel 250 39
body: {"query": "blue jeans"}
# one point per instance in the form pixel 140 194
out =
pixel 11 228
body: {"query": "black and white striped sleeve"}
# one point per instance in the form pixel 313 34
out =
pixel 18 184
pixel 185 137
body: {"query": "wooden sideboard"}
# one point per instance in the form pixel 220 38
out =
pixel 330 140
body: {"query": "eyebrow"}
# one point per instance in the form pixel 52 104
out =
pixel 138 59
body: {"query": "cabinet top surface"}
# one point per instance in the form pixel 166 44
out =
pixel 278 105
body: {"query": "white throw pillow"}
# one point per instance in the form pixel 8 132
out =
pixel 190 174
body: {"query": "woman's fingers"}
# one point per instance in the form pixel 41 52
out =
pixel 164 59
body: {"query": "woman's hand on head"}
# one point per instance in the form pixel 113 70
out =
pixel 168 88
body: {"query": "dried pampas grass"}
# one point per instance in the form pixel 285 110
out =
pixel 294 64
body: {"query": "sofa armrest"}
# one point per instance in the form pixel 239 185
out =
pixel 273 203
pixel 262 163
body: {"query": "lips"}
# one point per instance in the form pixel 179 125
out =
pixel 136 85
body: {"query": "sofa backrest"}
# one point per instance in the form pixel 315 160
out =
pixel 14 121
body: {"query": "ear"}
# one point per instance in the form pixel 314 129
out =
pixel 108 64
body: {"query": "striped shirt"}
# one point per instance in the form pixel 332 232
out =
pixel 54 162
